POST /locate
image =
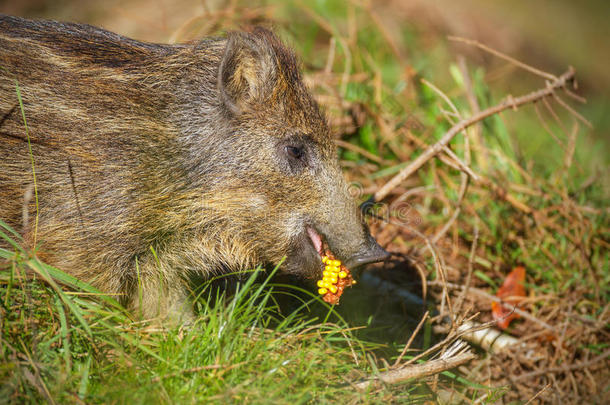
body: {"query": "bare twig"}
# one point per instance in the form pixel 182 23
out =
pixel 547 128
pixel 572 111
pixel 361 151
pixel 440 270
pixel 546 387
pixel 507 58
pixel 415 332
pixel 416 371
pixel 463 124
pixel 473 249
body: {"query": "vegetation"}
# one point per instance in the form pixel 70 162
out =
pixel 541 203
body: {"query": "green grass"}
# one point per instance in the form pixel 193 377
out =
pixel 71 342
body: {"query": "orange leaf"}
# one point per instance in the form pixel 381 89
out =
pixel 511 292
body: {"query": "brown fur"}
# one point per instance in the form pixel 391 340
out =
pixel 182 148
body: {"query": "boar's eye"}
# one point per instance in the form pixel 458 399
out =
pixel 295 152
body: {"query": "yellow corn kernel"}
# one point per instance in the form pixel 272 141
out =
pixel 323 291
pixel 321 283
pixel 332 289
pixel 325 259
pixel 335 263
pixel 342 274
pixel 327 273
pixel 333 280
pixel 329 267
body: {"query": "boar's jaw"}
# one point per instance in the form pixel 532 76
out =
pixel 369 252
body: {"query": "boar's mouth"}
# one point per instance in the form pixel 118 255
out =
pixel 316 240
pixel 373 253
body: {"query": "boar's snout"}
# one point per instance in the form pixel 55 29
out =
pixel 346 231
pixel 370 252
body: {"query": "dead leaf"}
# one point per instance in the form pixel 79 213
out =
pixel 511 292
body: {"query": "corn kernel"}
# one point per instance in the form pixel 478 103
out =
pixel 326 273
pixel 323 291
pixel 321 283
pixel 333 280
pixel 324 259
pixel 335 263
pixel 342 274
pixel 332 289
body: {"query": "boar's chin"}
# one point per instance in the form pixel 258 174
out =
pixel 304 257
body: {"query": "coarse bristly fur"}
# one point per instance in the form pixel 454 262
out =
pixel 212 153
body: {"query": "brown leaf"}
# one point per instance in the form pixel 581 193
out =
pixel 510 292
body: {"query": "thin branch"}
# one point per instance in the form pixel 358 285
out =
pixel 473 250
pixel 464 166
pixel 415 332
pixel 460 126
pixel 361 151
pixel 440 270
pixel 547 128
pixel 507 58
pixel 416 371
pixel 573 111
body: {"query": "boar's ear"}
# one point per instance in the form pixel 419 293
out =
pixel 247 72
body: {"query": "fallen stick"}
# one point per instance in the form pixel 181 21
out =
pixel 438 147
pixel 415 371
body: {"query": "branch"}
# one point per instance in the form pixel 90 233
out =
pixel 416 371
pixel 435 149
pixel 501 55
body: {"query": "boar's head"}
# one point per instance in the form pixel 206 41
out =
pixel 284 189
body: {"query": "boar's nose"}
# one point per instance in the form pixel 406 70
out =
pixel 371 252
